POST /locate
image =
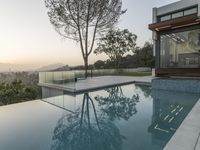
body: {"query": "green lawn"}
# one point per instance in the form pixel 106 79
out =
pixel 138 74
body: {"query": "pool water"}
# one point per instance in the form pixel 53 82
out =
pixel 130 117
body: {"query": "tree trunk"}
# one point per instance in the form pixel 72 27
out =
pixel 115 62
pixel 86 66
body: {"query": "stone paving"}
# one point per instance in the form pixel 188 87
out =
pixel 95 83
pixel 106 81
pixel 198 144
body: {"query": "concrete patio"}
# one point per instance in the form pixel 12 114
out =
pixel 95 83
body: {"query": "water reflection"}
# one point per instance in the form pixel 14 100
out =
pixel 146 90
pixel 84 130
pixel 96 121
pixel 103 120
pixel 169 110
pixel 117 105
pixel 89 128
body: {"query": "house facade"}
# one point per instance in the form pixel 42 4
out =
pixel 176 36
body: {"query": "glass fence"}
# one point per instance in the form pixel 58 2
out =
pixel 68 79
pixel 56 77
pixel 61 78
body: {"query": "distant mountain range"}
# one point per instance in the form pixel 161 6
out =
pixel 7 67
pixel 50 67
pixel 63 68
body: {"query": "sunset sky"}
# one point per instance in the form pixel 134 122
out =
pixel 27 37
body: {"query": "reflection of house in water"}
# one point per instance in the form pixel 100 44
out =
pixel 169 110
pixel 66 102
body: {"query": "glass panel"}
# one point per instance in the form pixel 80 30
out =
pixel 180 50
pixel 41 77
pixel 80 74
pixel 48 77
pixel 165 18
pixel 177 15
pixel 62 79
pixel 190 11
pixel 57 78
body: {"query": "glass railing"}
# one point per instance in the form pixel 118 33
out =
pixel 103 72
pixel 68 79
pixel 64 79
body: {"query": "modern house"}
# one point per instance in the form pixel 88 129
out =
pixel 176 36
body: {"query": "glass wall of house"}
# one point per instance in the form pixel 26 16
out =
pixel 180 49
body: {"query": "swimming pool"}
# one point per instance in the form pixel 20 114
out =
pixel 129 117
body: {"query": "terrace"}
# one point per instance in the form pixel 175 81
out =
pixel 75 82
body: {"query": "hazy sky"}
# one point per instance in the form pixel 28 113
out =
pixel 28 38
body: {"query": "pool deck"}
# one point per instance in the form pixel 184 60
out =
pixel 187 137
pixel 96 83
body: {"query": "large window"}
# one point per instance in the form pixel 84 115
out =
pixel 179 14
pixel 180 50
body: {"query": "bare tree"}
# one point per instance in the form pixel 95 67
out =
pixel 84 20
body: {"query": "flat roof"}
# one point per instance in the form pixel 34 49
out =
pixel 182 4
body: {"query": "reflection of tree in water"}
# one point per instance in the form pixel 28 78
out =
pixel 145 89
pixel 116 105
pixel 84 130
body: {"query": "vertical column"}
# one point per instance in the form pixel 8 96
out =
pixel 198 1
pixel 154 33
pixel 156 52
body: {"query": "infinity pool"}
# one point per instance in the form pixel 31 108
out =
pixel 130 117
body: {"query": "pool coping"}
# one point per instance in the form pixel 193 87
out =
pixel 187 136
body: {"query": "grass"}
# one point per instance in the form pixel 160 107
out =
pixel 135 74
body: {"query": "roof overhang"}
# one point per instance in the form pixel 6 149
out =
pixel 175 23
